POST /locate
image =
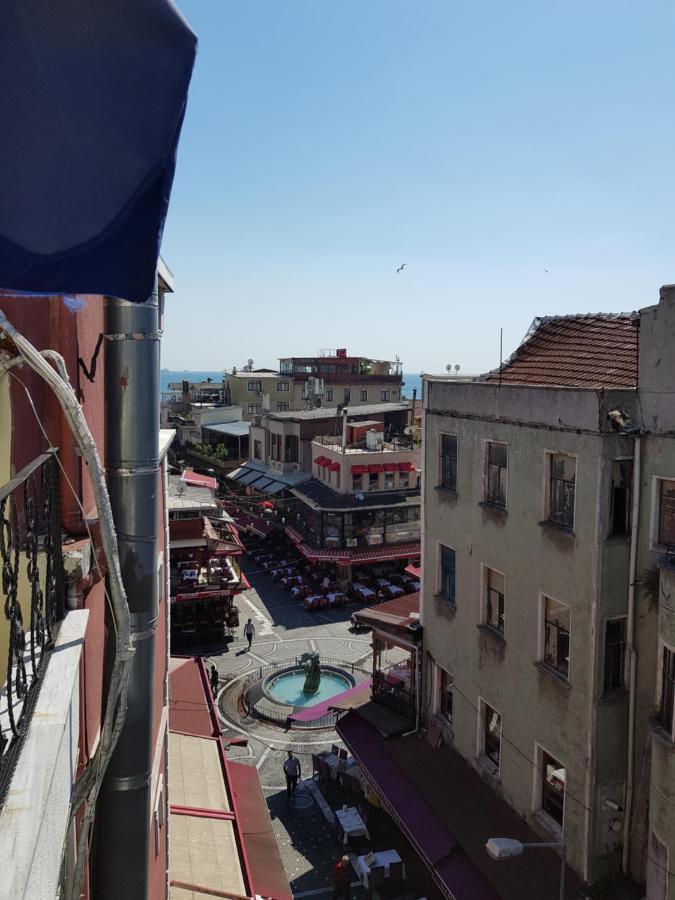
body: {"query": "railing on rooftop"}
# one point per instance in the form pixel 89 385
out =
pixel 32 596
pixel 334 442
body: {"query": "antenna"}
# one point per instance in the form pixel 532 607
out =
pixel 501 336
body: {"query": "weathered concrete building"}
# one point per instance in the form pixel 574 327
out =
pixel 549 511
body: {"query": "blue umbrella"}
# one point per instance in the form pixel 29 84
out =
pixel 92 99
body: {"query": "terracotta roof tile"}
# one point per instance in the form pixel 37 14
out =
pixel 598 350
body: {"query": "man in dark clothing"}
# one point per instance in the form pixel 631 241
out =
pixel 342 879
pixel 292 773
pixel 214 679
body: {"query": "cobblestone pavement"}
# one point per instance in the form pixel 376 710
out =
pixel 284 629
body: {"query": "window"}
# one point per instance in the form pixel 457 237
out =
pixel 373 481
pixel 283 386
pixel 622 477
pixel 357 482
pixel 497 460
pixel 403 480
pixel 346 394
pixel 283 406
pixel 491 736
pixel 364 395
pixel 666 500
pixel 494 599
pixel 615 653
pixel 445 697
pixel 557 636
pixel 291 448
pixel 254 386
pixel 449 462
pixel 666 707
pixel 389 481
pixel 561 490
pixel 552 787
pixel 447 573
pixel 255 408
pixel 384 395
pixel 257 449
pixel 275 446
pixel 329 395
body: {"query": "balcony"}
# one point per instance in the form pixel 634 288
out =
pixel 334 442
pixel 39 701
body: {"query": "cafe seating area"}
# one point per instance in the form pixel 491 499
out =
pixel 363 830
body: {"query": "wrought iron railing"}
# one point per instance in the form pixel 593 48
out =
pixel 32 596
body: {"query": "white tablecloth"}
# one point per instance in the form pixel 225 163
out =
pixel 364 591
pixel 351 823
pixel 382 858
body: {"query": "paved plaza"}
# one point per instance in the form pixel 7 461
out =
pixel 284 630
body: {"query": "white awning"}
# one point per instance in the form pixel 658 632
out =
pixel 234 429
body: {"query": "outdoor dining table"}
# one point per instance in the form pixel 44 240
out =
pixel 381 858
pixel 335 598
pixel 314 600
pixel 383 582
pixel 351 823
pixel 336 764
pixel 364 592
pixel 393 590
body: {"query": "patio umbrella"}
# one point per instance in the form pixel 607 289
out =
pixel 92 98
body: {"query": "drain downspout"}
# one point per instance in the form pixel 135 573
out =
pixel 132 456
pixel 632 658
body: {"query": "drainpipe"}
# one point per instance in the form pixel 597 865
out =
pixel 632 658
pixel 122 850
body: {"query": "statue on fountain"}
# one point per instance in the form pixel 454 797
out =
pixel 312 668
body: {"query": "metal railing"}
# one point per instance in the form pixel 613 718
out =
pixel 334 442
pixel 32 595
pixel 397 698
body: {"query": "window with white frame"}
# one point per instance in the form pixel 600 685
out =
pixel 364 395
pixel 283 406
pixel 445 696
pixel 490 738
pixel 384 395
pixel 329 395
pixel 496 459
pixel 389 481
pixel 255 408
pixel 357 482
pixel 667 699
pixel 404 480
pixel 493 600
pixel 283 385
pixel 254 386
pixel 552 777
pixel 556 639
pixel 562 487
pixel 448 454
pixel 446 573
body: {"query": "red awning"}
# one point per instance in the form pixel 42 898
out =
pixel 324 461
pixel 192 478
pixel 359 470
pixel 319 460
pixel 334 466
pixel 188 710
pixel 391 467
pixel 203 595
pixel 406 467
pixel 294 535
pixel 372 555
pixel 263 860
pixel 415 571
pixel 376 468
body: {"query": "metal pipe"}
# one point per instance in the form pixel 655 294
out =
pixel 122 851
pixel 632 657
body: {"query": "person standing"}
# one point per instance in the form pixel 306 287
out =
pixel 249 631
pixel 214 679
pixel 292 772
pixel 342 879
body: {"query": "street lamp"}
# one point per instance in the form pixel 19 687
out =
pixel 506 848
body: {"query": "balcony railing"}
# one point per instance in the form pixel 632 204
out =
pixel 334 442
pixel 396 697
pixel 32 595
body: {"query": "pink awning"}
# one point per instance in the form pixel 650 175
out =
pixel 321 709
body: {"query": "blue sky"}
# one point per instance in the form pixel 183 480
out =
pixel 481 143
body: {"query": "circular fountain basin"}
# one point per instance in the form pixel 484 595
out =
pixel 287 687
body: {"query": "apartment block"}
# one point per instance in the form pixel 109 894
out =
pixel 549 509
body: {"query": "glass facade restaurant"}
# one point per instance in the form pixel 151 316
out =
pixel 357 529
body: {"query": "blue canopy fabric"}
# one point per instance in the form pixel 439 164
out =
pixel 92 99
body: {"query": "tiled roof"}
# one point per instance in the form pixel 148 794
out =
pixel 598 350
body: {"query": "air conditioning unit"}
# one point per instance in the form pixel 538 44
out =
pixel 258 393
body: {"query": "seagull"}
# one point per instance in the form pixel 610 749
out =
pixel 547 271
pixel 401 268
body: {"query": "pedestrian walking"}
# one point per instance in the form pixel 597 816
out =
pixel 249 631
pixel 342 879
pixel 292 772
pixel 214 679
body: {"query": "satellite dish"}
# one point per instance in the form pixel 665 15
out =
pixel 409 430
pixel 359 497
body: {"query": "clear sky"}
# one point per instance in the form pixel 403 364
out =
pixel 481 143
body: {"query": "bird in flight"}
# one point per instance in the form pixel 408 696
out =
pixel 547 271
pixel 401 268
